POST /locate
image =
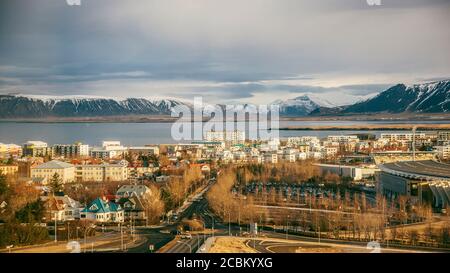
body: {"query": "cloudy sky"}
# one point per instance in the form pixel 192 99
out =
pixel 224 50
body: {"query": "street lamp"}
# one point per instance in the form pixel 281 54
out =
pixel 56 237
pixel 229 223
pixel 212 231
pixel 78 228
pixel 287 228
pixel 190 247
pixel 204 230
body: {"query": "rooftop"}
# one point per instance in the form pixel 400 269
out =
pixel 54 164
pixel 423 169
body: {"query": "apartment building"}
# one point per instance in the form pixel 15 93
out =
pixel 37 148
pixel 144 150
pixel 9 169
pixel 229 137
pixel 47 170
pixel 7 150
pixel 101 172
pixel 443 152
pixel 343 138
pixel 71 150
pixel 109 149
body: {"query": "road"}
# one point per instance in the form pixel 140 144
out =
pixel 272 245
pixel 103 242
pixel 164 236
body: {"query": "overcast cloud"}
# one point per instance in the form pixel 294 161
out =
pixel 249 51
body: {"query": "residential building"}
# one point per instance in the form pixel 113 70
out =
pixel 71 150
pixel 109 149
pixel 270 158
pixel 130 190
pixel 343 138
pixel 103 211
pixel 37 148
pixel 7 150
pixel 133 207
pixel 329 151
pixel 443 152
pixel 65 171
pixel 144 150
pixel 141 172
pixel 9 169
pixel 101 172
pixel 229 137
pixel 63 208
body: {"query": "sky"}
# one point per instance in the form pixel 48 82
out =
pixel 228 51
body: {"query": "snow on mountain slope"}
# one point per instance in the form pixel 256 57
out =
pixel 428 98
pixel 72 106
pixel 308 102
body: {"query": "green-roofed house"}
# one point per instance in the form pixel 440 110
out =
pixel 103 211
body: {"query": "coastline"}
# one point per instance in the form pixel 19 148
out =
pixel 400 121
pixel 378 127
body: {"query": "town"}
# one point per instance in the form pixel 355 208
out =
pixel 65 192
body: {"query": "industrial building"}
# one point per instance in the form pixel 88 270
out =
pixel 424 181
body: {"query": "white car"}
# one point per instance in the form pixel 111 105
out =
pixel 186 236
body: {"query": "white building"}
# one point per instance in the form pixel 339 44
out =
pixel 47 170
pixel 71 150
pixel 302 140
pixel 130 190
pixel 355 172
pixel 101 172
pixel 329 151
pixel 443 152
pixel 103 211
pixel 109 149
pixel 270 158
pixel 401 136
pixel 343 138
pixel 63 208
pixel 229 137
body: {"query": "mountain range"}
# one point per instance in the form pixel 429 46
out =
pixel 431 97
pixel 21 106
pixel 419 98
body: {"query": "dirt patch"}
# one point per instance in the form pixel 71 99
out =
pixel 230 245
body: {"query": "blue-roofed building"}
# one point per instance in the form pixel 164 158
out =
pixel 103 211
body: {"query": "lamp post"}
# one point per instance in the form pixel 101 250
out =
pixel 229 223
pixel 68 231
pixel 287 228
pixel 56 228
pixel 212 231
pixel 204 230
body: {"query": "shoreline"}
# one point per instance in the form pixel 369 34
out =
pixel 377 127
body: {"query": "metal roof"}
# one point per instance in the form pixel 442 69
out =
pixel 423 169
pixel 54 164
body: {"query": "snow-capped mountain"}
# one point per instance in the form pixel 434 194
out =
pixel 299 106
pixel 427 98
pixel 307 103
pixel 16 106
